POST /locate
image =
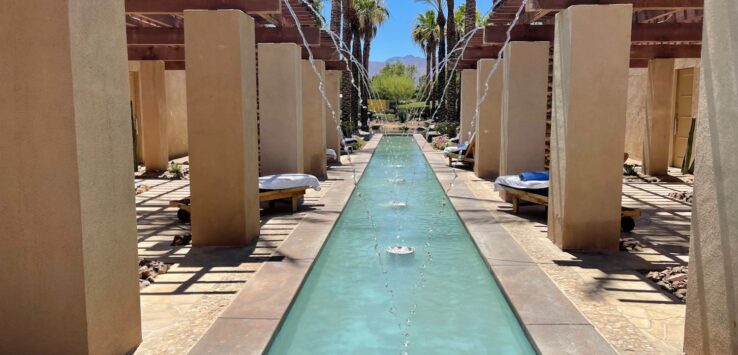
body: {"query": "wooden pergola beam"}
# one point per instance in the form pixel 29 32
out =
pixel 165 53
pixel 641 32
pixel 321 53
pixel 637 51
pixel 476 53
pixel 174 65
pixel 150 36
pixel 557 5
pixel 335 65
pixel 665 51
pixel 178 6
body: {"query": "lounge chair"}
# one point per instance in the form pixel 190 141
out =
pixel 462 153
pixel 536 192
pixel 331 154
pixel 290 187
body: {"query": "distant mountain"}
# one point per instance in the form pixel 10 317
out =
pixel 375 67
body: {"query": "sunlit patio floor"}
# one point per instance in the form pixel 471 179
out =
pixel 610 289
pixel 181 305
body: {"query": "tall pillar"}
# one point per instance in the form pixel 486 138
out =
pixel 660 116
pixel 524 104
pixel 313 118
pixel 280 108
pixel 221 127
pixel 67 217
pixel 468 103
pixel 488 125
pixel 712 303
pixel 588 135
pixel 333 91
pixel 153 114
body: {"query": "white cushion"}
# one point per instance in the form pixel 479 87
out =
pixel 331 153
pixel 288 181
pixel 515 182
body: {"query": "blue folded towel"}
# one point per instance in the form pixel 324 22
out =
pixel 534 176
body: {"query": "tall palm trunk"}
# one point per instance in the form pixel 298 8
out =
pixel 428 79
pixel 441 82
pixel 434 76
pixel 470 17
pixel 336 16
pixel 356 100
pixel 365 88
pixel 346 87
pixel 453 57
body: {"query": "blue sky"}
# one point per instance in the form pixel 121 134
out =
pixel 393 38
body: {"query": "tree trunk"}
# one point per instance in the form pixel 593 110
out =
pixel 453 57
pixel 346 89
pixel 432 83
pixel 470 18
pixel 428 80
pixel 356 99
pixel 336 17
pixel 365 88
pixel 441 82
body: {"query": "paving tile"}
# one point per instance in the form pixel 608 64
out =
pixel 535 298
pixel 569 339
pixel 499 246
pixel 236 336
pixel 304 243
pixel 270 292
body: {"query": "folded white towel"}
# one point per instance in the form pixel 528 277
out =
pixel 331 153
pixel 288 181
pixel 515 182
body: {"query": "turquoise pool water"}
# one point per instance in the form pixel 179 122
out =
pixel 441 300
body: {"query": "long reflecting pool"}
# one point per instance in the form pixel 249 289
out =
pixel 360 299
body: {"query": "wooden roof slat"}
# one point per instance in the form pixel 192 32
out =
pixel 175 36
pixel 165 53
pixel 178 6
pixel 556 5
pixel 656 32
pixel 665 51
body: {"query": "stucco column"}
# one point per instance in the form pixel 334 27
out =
pixel 154 115
pixel 67 216
pixel 221 126
pixel 659 117
pixel 333 91
pixel 280 108
pixel 313 115
pixel 588 134
pixel 524 101
pixel 468 103
pixel 712 303
pixel 488 124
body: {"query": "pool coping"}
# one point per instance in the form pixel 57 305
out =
pixel 551 321
pixel 249 323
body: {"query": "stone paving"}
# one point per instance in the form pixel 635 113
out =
pixel 610 289
pixel 183 303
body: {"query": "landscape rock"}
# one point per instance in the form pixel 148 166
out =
pixel 672 279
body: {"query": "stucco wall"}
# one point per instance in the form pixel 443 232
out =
pixel 635 123
pixel 177 113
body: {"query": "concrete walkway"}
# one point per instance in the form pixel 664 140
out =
pixel 184 303
pixel 610 289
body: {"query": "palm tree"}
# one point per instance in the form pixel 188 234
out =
pixel 452 38
pixel 461 25
pixel 441 74
pixel 346 86
pixel 471 16
pixel 371 14
pixel 336 16
pixel 425 34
